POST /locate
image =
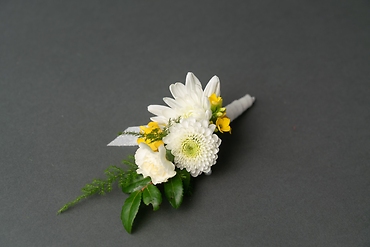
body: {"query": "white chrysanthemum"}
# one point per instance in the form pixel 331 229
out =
pixel 189 100
pixel 154 164
pixel 193 145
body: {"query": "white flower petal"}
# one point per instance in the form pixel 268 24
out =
pixel 178 90
pixel 213 87
pixel 192 81
pixel 205 103
pixel 172 103
pixel 162 121
pixel 161 110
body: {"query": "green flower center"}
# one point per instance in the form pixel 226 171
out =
pixel 191 147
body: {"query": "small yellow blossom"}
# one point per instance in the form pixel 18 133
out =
pixel 145 130
pixel 223 124
pixel 215 101
pixel 153 145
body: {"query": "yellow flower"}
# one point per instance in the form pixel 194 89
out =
pixel 218 112
pixel 149 128
pixel 153 145
pixel 152 128
pixel 223 124
pixel 215 101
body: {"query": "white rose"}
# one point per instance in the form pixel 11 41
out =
pixel 154 164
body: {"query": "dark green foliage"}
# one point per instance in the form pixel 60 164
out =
pixel 169 156
pixel 186 181
pixel 152 195
pixel 130 209
pixel 173 189
pixel 135 183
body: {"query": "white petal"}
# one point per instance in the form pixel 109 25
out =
pixel 161 110
pixel 192 81
pixel 172 103
pixel 205 103
pixel 178 90
pixel 160 120
pixel 213 87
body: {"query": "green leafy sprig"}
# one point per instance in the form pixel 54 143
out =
pixel 140 189
pixel 101 187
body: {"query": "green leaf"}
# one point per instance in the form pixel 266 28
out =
pixel 169 155
pixel 130 209
pixel 152 195
pixel 174 191
pixel 186 180
pixel 135 183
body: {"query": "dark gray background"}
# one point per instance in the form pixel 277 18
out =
pixel 294 172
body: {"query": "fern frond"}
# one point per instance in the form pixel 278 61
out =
pixel 99 186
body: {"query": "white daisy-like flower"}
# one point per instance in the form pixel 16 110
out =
pixel 193 145
pixel 154 164
pixel 189 100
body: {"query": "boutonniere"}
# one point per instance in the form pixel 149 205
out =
pixel 179 143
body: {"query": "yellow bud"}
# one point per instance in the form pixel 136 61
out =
pixel 215 101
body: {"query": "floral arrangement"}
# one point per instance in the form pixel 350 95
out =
pixel 181 141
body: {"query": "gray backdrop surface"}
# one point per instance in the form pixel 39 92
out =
pixel 294 172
